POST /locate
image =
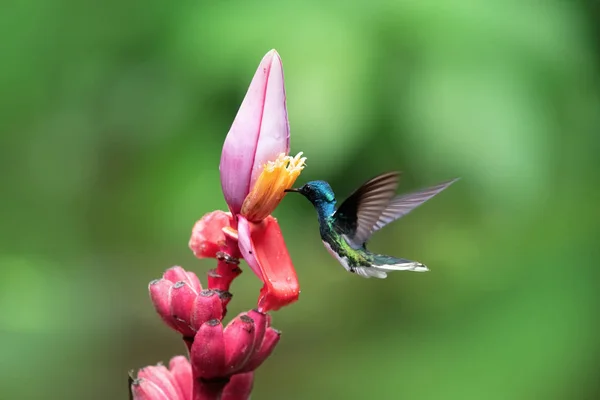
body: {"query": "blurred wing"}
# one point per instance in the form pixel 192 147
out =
pixel 405 203
pixel 358 213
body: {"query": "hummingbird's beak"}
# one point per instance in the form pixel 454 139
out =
pixel 292 190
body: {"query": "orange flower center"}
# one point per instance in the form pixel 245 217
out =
pixel 268 191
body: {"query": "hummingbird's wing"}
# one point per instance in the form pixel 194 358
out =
pixel 357 215
pixel 401 205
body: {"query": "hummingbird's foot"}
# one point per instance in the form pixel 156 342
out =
pixel 222 256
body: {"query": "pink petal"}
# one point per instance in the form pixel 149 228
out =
pixel 182 373
pixel 263 247
pixel 275 130
pixel 246 246
pixel 176 274
pixel 143 389
pixel 163 379
pixel 259 133
pixel 207 234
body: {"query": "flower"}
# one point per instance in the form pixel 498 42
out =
pixel 176 383
pixel 223 359
pixel 269 188
pixel 255 171
pixel 159 383
pixel 259 135
pixel 207 235
pixel 182 303
pixel 242 346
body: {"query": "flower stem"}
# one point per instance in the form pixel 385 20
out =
pixel 209 390
pixel 228 260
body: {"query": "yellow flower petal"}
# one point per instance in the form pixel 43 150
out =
pixel 269 188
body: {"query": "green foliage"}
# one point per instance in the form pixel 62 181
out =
pixel 112 118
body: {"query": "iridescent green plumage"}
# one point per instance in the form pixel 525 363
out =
pixel 371 207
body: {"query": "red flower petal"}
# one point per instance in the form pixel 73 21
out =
pixel 263 247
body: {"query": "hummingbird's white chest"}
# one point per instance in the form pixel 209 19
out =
pixel 371 271
pixel 341 260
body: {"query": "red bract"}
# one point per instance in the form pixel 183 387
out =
pixel 264 250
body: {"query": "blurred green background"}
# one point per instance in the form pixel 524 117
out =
pixel 112 117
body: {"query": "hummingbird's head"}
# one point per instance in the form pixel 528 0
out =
pixel 318 192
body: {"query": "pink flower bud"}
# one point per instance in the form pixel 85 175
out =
pixel 239 387
pixel 182 299
pixel 158 383
pixel 269 342
pixel 181 306
pixel 160 295
pixel 259 133
pixel 207 354
pixel 207 234
pixel 163 379
pixel 142 389
pixel 176 274
pixel 207 306
pixel 239 336
pixel 261 322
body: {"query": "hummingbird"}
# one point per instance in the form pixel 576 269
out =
pixel 346 230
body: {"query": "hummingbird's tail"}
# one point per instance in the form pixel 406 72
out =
pixel 382 264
